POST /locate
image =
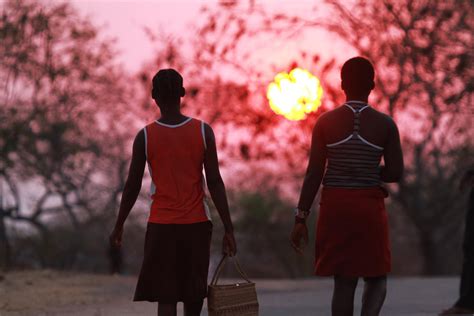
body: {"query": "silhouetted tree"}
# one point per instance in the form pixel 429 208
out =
pixel 227 88
pixel 423 56
pixel 422 51
pixel 263 156
pixel 63 124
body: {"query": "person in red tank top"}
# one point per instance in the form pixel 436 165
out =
pixel 176 149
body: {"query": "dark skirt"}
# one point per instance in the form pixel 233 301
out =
pixel 175 263
pixel 352 236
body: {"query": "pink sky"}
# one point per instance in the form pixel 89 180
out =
pixel 125 20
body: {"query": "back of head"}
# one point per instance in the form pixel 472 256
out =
pixel 167 86
pixel 357 75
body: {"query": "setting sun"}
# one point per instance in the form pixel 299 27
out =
pixel 295 94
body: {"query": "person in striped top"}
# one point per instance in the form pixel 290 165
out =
pixel 176 149
pixel 352 239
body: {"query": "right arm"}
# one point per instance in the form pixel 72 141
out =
pixel 393 157
pixel 311 183
pixel 315 169
pixel 216 187
pixel 132 187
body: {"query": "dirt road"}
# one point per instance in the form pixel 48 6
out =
pixel 64 293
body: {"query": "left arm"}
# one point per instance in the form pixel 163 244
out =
pixel 217 190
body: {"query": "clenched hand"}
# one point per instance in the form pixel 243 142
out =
pixel 299 233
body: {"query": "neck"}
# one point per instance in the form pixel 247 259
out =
pixel 171 115
pixel 362 98
pixel 169 109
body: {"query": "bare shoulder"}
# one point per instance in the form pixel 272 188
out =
pixel 384 118
pixel 140 137
pixel 208 130
pixel 209 136
pixel 139 145
pixel 328 116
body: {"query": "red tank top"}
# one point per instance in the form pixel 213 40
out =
pixel 175 157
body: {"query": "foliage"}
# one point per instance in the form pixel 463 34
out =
pixel 264 221
pixel 227 89
pixel 422 52
pixel 62 106
pixel 423 56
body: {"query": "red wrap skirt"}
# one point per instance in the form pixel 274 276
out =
pixel 352 236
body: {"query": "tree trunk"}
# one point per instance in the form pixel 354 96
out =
pixel 431 259
pixel 5 249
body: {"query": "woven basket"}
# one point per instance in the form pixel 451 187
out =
pixel 232 299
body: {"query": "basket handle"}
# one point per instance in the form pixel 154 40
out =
pixel 218 270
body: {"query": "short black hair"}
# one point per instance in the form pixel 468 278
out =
pixel 167 84
pixel 358 74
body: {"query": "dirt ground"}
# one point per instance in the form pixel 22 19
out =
pixel 66 293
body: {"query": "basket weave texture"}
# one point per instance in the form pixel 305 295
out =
pixel 232 299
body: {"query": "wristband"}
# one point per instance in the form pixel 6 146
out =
pixel 300 213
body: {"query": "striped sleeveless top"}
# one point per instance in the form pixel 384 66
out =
pixel 175 158
pixel 353 162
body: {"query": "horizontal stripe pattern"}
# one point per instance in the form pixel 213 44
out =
pixel 353 162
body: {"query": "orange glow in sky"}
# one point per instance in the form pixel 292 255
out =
pixel 295 94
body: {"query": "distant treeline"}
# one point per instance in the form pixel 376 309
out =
pixel 69 111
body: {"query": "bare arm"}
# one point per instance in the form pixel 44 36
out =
pixel 312 181
pixel 215 184
pixel 315 170
pixel 217 189
pixel 134 180
pixel 393 169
